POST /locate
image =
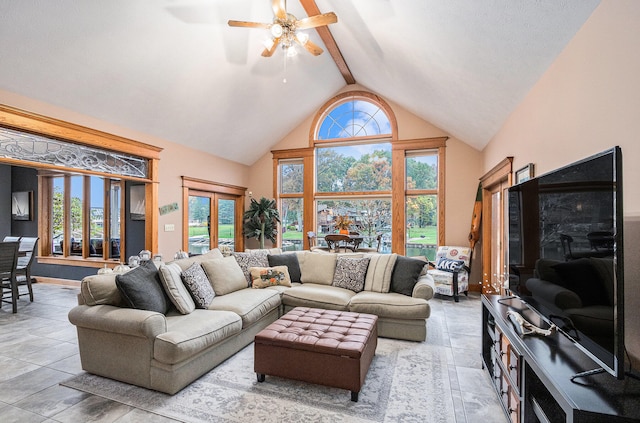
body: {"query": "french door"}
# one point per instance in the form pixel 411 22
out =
pixel 213 219
pixel 495 270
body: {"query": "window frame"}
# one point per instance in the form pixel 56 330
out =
pixel 399 150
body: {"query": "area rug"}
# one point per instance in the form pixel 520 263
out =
pixel 407 381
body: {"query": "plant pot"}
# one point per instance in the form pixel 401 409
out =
pixel 344 231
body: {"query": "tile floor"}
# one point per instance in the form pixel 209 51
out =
pixel 38 350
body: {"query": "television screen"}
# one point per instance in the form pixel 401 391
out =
pixel 565 253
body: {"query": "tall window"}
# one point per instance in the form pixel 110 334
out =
pixel 359 171
pixel 86 216
pixel 291 204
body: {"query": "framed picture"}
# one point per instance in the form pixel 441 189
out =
pixel 137 203
pixel 524 174
pixel 21 205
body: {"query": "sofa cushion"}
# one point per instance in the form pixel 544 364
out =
pixel 391 305
pixel 318 296
pixel 170 276
pixel 249 259
pixel 262 277
pixel 141 289
pixel 350 273
pixel 405 275
pixel 318 268
pixel 379 272
pixel 186 262
pixel 196 281
pixel 288 259
pixel 224 275
pixel 188 335
pixel 101 289
pixel 250 304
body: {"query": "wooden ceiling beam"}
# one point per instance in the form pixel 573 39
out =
pixel 330 43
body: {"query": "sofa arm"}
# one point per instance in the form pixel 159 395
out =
pixel 423 288
pixel 126 321
pixel 554 294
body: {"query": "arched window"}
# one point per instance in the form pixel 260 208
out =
pixel 359 172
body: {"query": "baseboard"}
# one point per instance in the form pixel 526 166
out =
pixel 57 281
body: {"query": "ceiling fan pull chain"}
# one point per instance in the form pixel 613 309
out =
pixel 284 79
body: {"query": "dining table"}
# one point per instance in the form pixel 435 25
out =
pixel 349 241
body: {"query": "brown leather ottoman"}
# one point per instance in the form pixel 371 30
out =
pixel 327 347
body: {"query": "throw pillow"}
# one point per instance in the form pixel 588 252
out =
pixel 141 288
pixel 448 265
pixel 350 273
pixel 290 260
pixel 318 268
pixel 186 262
pixel 263 277
pixel 405 275
pixel 175 289
pixel 247 260
pixel 582 278
pixel 225 275
pixel 198 285
pixel 379 272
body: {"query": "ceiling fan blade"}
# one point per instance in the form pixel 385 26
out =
pixel 317 20
pixel 268 52
pixel 280 9
pixel 312 48
pixel 249 24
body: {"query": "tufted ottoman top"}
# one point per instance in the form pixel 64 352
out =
pixel 326 331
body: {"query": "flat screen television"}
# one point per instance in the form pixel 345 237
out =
pixel 566 253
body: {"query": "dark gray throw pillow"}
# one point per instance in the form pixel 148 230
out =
pixel 290 260
pixel 405 275
pixel 141 288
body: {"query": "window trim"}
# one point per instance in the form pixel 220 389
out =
pixel 25 121
pixel 399 149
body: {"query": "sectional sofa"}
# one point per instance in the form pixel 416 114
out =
pixel 167 349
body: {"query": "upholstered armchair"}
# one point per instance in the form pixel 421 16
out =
pixel 451 271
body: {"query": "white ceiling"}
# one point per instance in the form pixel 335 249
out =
pixel 174 69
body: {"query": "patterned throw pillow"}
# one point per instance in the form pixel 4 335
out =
pixel 247 260
pixel 350 273
pixel 448 265
pixel 263 277
pixel 198 285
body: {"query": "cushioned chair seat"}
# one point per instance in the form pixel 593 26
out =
pixel 250 304
pixel 316 295
pixel 390 304
pixel 189 334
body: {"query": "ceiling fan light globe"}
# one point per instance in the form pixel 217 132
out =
pixel 291 51
pixel 276 30
pixel 302 37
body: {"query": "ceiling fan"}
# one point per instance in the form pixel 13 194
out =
pixel 284 29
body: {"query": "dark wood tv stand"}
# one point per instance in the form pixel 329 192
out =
pixel 532 374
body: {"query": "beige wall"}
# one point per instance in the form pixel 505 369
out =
pixel 463 168
pixel 588 101
pixel 175 161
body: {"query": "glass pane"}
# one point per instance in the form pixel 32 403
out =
pixel 422 171
pixel 76 215
pixel 367 217
pixel 96 213
pixel 292 223
pixel 57 221
pixel 226 223
pixel 422 226
pixel 354 168
pixel 291 177
pixel 199 230
pixel 114 216
pixel 356 118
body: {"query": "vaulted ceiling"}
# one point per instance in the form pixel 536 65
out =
pixel 175 70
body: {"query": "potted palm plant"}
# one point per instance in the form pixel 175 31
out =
pixel 261 220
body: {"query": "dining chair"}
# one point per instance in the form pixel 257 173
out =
pixel 313 239
pixel 376 249
pixel 11 239
pixel 26 254
pixel 8 264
